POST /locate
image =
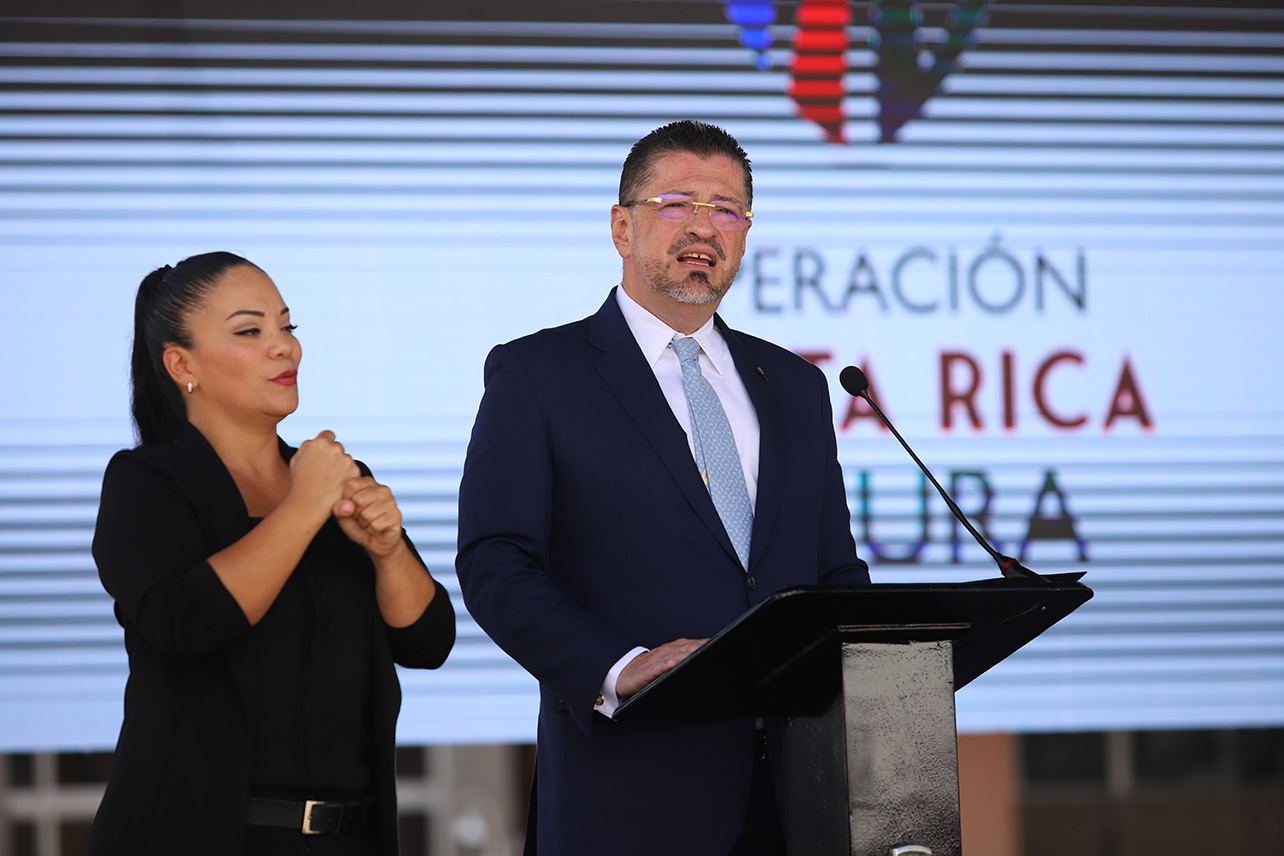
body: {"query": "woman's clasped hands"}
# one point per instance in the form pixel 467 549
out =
pixel 366 510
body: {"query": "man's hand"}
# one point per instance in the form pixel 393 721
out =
pixel 646 667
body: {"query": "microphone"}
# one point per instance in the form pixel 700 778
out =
pixel 856 384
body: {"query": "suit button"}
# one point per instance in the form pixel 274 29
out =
pixel 752 583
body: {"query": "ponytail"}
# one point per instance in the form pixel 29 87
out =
pixel 166 298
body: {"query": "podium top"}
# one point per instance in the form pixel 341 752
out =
pixel 779 656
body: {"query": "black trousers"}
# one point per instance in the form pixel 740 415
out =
pixel 273 841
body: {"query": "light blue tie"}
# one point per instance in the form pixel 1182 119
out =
pixel 715 449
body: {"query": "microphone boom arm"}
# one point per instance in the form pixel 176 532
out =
pixel 855 382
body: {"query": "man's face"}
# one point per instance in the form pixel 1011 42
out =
pixel 692 263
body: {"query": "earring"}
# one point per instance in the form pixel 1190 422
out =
pixel 189 387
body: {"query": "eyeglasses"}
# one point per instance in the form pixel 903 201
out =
pixel 680 209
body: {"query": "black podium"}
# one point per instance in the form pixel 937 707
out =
pixel 861 681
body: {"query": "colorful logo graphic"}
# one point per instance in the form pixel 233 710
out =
pixel 910 67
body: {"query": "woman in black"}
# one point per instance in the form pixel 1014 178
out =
pixel 265 594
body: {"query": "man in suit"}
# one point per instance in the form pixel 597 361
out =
pixel 635 481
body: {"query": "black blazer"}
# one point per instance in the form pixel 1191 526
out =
pixel 585 529
pixel 180 778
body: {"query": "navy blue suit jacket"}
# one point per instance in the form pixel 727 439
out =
pixel 585 530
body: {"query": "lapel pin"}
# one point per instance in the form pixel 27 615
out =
pixel 761 372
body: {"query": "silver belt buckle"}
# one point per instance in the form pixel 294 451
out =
pixel 307 817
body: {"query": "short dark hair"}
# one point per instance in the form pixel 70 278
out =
pixel 165 301
pixel 687 135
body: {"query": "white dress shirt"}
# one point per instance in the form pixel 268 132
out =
pixel 653 337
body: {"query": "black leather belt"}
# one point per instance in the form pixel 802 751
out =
pixel 312 817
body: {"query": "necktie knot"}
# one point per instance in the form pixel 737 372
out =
pixel 686 347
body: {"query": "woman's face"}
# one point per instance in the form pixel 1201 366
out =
pixel 244 357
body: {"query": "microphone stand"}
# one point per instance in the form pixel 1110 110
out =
pixel 854 381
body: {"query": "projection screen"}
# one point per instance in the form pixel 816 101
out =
pixel 1051 233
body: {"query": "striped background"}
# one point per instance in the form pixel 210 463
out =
pixel 426 188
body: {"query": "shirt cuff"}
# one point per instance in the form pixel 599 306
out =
pixel 607 700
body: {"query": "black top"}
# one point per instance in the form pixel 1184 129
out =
pixel 311 736
pixel 196 714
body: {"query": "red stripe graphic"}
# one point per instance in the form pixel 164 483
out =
pixel 817 66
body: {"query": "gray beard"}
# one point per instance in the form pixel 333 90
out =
pixel 695 289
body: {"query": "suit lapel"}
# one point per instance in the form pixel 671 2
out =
pixel 224 515
pixel 625 371
pixel 226 521
pixel 772 441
